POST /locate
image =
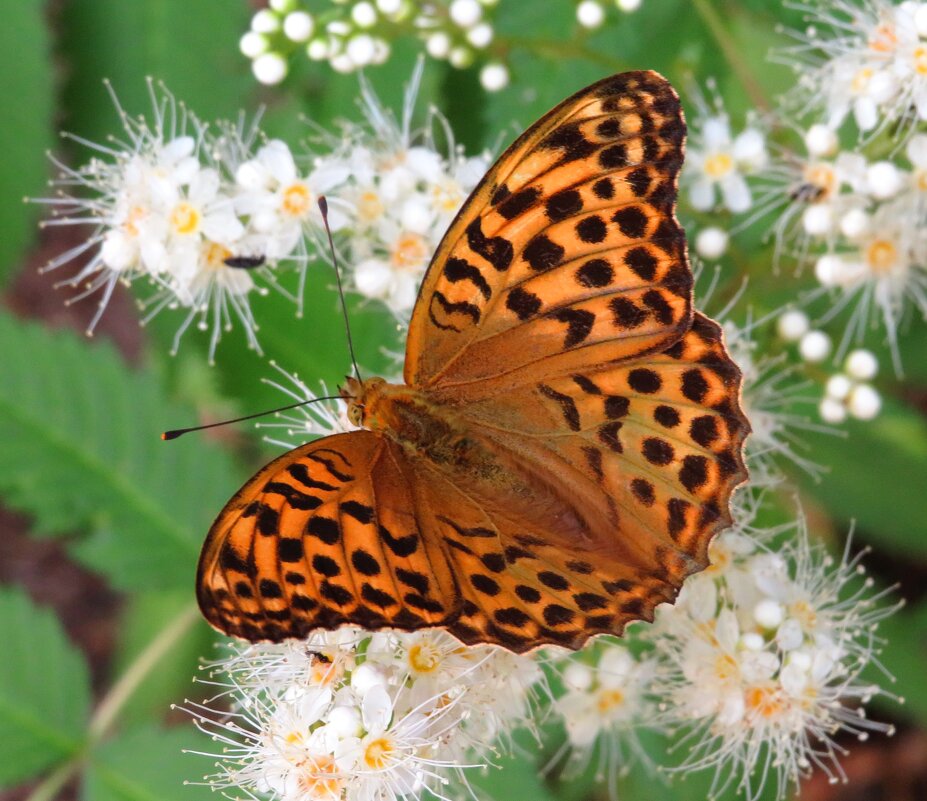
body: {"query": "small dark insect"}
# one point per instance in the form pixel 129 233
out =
pixel 245 262
pixel 807 193
pixel 319 657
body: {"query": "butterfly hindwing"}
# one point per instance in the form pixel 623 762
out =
pixel 326 534
pixel 567 253
pixel 654 442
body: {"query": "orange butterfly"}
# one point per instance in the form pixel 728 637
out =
pixel 569 434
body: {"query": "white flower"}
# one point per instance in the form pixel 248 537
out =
pixel 717 161
pixel 400 195
pixel 882 274
pixel 605 705
pixel 319 416
pixel 280 202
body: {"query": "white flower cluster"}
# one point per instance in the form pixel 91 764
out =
pixel 860 223
pixel 863 58
pixel 402 194
pixel 358 716
pixel 356 34
pixel 857 215
pixel 209 215
pixel 757 667
pixel 199 214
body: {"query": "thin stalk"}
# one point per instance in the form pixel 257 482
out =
pixel 115 699
pixel 719 33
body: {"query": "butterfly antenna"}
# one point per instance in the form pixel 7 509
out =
pixel 323 207
pixel 179 432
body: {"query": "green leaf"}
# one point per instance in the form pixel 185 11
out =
pixel 44 690
pixel 25 72
pixel 870 474
pixel 904 657
pixel 192 47
pixel 145 616
pixel 82 451
pixel 148 764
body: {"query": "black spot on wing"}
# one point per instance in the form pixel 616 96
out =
pixel 541 253
pixel 300 472
pixel 460 307
pixel 523 303
pixel 563 204
pixel 400 546
pixel 294 497
pixel 458 269
pixel 514 205
pixel 496 250
pixel 567 405
pixel 579 324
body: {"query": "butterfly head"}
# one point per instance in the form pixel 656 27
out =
pixel 359 395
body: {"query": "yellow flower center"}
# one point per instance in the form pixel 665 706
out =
pixel 920 60
pixel 883 39
pixel 719 559
pixel 717 165
pixel 920 180
pixel 409 250
pixel 295 738
pixel 185 218
pixel 861 80
pixel 214 255
pixel 424 658
pixel 726 667
pixel 324 670
pixel 822 176
pixel 296 200
pixel 136 215
pixel 447 196
pixel 377 754
pixel 370 207
pixel 320 780
pixel 804 613
pixel 765 701
pixel 609 699
pixel 881 256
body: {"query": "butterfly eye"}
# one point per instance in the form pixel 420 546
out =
pixel 356 414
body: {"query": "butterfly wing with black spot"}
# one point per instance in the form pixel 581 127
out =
pixel 325 535
pixel 648 453
pixel 567 253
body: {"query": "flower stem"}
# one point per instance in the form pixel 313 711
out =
pixel 739 66
pixel 112 703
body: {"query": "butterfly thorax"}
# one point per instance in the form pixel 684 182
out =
pixel 439 435
pixel 424 428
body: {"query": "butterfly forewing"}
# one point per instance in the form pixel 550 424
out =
pixel 567 253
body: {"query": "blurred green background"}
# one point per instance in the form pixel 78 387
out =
pixel 102 523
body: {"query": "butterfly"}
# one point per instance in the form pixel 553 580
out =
pixel 568 436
